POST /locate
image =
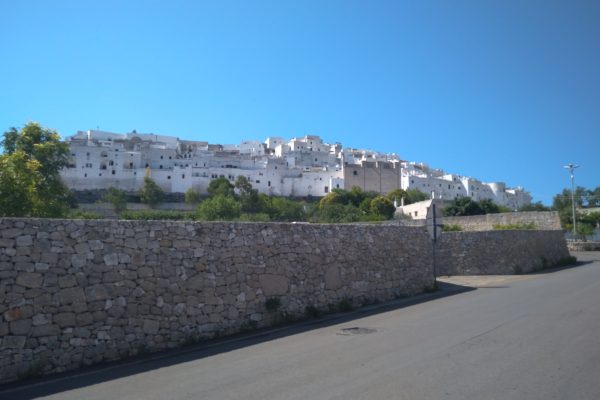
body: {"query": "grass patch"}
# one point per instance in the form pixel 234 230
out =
pixel 517 226
pixel 155 215
pixel 344 305
pixel 310 311
pixel 272 304
pixel 451 228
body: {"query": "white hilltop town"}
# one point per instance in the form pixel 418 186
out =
pixel 299 167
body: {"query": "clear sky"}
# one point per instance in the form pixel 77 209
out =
pixel 505 90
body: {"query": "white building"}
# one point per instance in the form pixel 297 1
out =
pixel 299 167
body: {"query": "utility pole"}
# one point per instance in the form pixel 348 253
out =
pixel 571 168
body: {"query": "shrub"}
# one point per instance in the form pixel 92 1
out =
pixel 310 311
pixel 151 193
pixel 148 215
pixel 345 305
pixel 272 304
pixel 117 198
pixel 82 214
pixel 219 208
pixel 451 228
pixel 383 207
pixel 192 196
pixel 516 226
pixel 257 217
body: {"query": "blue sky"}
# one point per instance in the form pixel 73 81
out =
pixel 499 90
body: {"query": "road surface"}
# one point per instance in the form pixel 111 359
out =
pixel 522 337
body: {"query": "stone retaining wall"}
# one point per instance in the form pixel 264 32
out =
pixel 544 220
pixel 74 293
pixel 499 252
pixel 583 246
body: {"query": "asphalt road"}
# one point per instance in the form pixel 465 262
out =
pixel 524 337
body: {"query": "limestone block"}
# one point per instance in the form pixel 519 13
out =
pixel 66 281
pixel 71 295
pixel 96 245
pixel 111 259
pixel 273 285
pixel 30 279
pixel 41 319
pixel 45 330
pixel 23 241
pixel 65 319
pixel 20 327
pixel 333 279
pixel 13 342
pixel 97 292
pixel 150 327
pixel 79 260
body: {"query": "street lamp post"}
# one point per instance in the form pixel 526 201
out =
pixel 571 168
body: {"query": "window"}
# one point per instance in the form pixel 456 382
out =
pixel 169 177
pixel 326 189
pixel 257 181
pixel 161 157
pixel 147 165
pixel 269 184
pixel 416 213
pixel 113 171
pixel 355 173
pixel 85 175
pixel 182 176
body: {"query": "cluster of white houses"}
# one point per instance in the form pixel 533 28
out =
pixel 295 168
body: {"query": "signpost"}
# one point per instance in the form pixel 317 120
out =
pixel 432 228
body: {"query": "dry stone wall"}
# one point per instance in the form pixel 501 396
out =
pixel 74 293
pixel 543 220
pixel 499 252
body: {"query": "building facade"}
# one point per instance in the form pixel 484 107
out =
pixel 299 167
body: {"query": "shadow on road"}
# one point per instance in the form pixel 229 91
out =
pixel 104 372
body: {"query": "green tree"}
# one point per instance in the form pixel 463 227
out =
pixel 219 208
pixel 283 209
pixel 463 206
pixel 594 197
pixel 414 196
pixel 40 155
pixel 19 177
pixel 191 196
pixel 337 213
pixel 383 207
pixel 334 197
pixel 489 207
pixel 250 200
pixel 538 206
pixel 397 195
pixel 221 187
pixel 151 193
pixel 117 198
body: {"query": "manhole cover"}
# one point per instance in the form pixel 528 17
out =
pixel 356 331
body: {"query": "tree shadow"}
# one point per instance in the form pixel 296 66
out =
pixel 107 371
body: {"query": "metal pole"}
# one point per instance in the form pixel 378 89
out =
pixel 571 168
pixel 573 202
pixel 434 241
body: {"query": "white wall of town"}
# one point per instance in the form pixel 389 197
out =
pixel 298 167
